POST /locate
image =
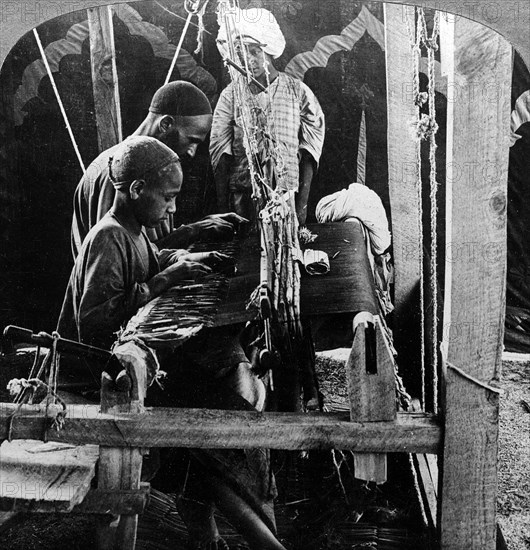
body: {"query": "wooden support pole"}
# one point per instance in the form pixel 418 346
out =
pixel 478 129
pixel 104 77
pixel 403 173
pixel 120 468
pixel 372 389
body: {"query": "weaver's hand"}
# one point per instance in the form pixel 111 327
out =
pixel 212 259
pixel 218 227
pixel 184 270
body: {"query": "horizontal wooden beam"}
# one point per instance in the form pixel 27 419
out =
pixel 202 428
pixel 95 502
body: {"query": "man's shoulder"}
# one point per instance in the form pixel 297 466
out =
pixel 100 165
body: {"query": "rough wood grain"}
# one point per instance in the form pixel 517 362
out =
pixel 104 77
pixel 120 468
pixel 160 427
pixel 479 102
pixel 469 465
pixel 402 182
pixel 372 391
pixel 57 479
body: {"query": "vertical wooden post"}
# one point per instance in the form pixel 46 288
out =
pixel 402 182
pixel 372 389
pixel 478 132
pixel 104 77
pixel 120 468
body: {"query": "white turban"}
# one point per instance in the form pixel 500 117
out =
pixel 256 23
pixel 358 201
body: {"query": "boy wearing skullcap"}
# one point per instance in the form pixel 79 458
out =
pixel 180 116
pixel 118 270
pixel 295 114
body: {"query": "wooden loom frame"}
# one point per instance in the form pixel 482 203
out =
pixel 467 432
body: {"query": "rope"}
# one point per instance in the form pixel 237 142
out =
pixel 432 46
pixel 179 17
pixel 192 7
pixel 414 36
pixel 24 390
pixel 59 101
pixel 426 129
pixel 418 492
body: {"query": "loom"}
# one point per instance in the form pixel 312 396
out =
pixel 461 428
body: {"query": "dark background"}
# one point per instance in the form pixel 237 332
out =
pixel 39 170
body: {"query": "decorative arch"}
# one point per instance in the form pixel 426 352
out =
pixel 511 20
pixel 73 42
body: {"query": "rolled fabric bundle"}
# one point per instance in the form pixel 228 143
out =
pixel 358 201
pixel 316 262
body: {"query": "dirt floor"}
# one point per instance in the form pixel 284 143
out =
pixel 318 510
pixel 513 503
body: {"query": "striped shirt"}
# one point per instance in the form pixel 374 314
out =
pixel 298 123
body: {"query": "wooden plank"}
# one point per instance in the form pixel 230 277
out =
pixel 117 501
pixel 95 502
pixel 402 182
pixel 59 478
pixel 426 467
pixel 428 488
pixel 166 427
pixel 469 464
pixel 120 467
pixel 478 102
pixel 372 390
pixel 104 77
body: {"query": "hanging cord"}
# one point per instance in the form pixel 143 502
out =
pixel 59 101
pixel 52 399
pixel 414 35
pixel 432 45
pixel 193 7
pixel 418 492
pixel 179 17
pixel 200 32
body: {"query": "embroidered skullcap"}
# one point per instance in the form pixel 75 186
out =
pixel 180 98
pixel 138 157
pixel 258 24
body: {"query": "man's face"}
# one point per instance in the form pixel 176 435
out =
pixel 156 199
pixel 256 58
pixel 187 133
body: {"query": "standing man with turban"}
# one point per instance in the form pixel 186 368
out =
pixel 180 116
pixel 296 114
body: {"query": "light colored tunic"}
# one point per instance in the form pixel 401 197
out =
pixel 298 125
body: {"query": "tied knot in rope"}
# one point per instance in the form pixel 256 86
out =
pixel 426 127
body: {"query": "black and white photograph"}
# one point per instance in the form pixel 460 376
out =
pixel 264 275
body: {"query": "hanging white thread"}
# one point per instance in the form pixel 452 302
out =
pixel 418 492
pixel 59 100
